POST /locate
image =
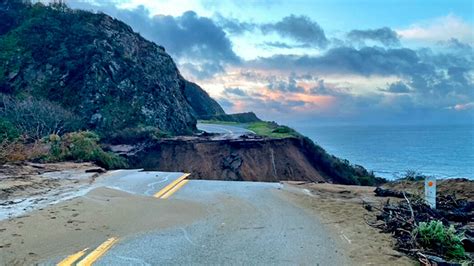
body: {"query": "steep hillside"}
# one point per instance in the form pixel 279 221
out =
pixel 95 67
pixel 201 103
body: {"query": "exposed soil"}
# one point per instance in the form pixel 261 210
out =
pixel 267 160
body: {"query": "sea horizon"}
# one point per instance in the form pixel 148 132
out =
pixel 443 151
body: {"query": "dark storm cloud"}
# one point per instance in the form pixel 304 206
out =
pixel 285 45
pixel 192 36
pixel 397 87
pixel 455 44
pixel 322 89
pixel 289 85
pixel 187 36
pixel 299 28
pixel 235 91
pixel 347 60
pixel 385 35
pixel 234 26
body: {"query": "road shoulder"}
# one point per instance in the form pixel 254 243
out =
pixel 340 210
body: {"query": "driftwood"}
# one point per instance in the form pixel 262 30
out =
pixel 401 218
pixel 382 192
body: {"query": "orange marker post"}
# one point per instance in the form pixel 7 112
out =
pixel 430 191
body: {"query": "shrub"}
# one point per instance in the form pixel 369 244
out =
pixel 37 118
pixel 283 130
pixel 83 146
pixel 441 239
pixel 339 170
pixel 8 131
pixel 19 151
pixel 136 134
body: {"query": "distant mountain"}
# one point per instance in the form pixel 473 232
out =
pixel 95 67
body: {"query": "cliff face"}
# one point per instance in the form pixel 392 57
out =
pixel 268 160
pixel 96 67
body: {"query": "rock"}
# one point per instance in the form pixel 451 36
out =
pixel 95 170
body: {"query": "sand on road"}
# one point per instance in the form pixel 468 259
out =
pixel 340 210
pixel 67 227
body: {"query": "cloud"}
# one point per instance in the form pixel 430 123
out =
pixel 284 45
pixel 192 36
pixel 234 26
pixel 439 29
pixel 455 44
pixel 288 85
pixel 386 36
pixel 397 87
pixel 421 82
pixel 301 29
pixel 298 28
pixel 235 91
pixel 347 60
pixel 203 44
pixel 462 107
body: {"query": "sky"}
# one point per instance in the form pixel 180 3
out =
pixel 315 61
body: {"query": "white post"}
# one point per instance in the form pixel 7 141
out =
pixel 430 191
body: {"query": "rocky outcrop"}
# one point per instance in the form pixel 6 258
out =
pixel 96 67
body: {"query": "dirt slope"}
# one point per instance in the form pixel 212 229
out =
pixel 249 160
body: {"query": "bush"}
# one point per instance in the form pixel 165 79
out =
pixel 339 170
pixel 441 239
pixel 283 130
pixel 8 131
pixel 83 146
pixel 136 134
pixel 19 151
pixel 37 118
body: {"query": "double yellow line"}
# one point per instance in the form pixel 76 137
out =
pixel 172 187
pixel 93 256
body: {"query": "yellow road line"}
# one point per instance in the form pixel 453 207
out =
pixel 174 189
pixel 170 186
pixel 98 252
pixel 71 259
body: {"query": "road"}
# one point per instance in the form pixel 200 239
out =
pixel 244 223
pixel 227 130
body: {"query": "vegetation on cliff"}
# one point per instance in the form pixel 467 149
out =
pixel 95 67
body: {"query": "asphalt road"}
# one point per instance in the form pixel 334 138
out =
pixel 246 223
pixel 227 130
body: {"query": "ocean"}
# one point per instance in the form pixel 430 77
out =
pixel 389 151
